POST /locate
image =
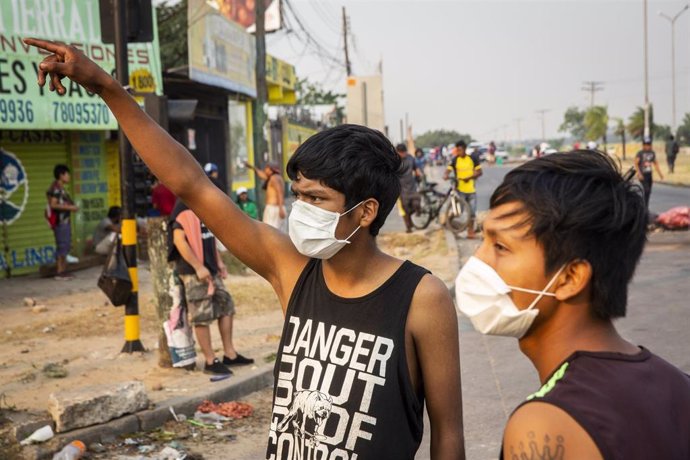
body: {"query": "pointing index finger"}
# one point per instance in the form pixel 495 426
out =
pixel 46 45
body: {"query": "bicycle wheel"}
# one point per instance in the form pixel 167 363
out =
pixel 458 214
pixel 422 217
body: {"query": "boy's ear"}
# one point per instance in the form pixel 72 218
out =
pixel 574 280
pixel 370 209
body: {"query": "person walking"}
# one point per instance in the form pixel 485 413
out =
pixel 562 239
pixel 672 149
pixel 201 271
pixel 274 187
pixel 409 175
pixel 466 170
pixel 60 206
pixel 369 341
pixel 644 161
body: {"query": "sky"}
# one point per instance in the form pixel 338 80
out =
pixel 477 66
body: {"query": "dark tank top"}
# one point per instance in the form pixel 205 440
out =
pixel 342 385
pixel 632 406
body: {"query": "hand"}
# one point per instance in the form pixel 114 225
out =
pixel 282 212
pixel 640 177
pixel 203 274
pixel 68 61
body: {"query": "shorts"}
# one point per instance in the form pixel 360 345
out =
pixel 410 204
pixel 63 239
pixel 471 199
pixel 204 308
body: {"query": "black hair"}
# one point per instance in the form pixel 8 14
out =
pixel 401 148
pixel 579 207
pixel 59 170
pixel 114 212
pixel 354 160
pixel 461 143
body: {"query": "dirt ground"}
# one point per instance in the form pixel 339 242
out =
pixel 73 331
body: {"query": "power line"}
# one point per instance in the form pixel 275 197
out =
pixel 592 87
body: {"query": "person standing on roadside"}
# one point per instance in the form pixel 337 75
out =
pixel 409 197
pixel 246 204
pixel 466 170
pixel 274 187
pixel 644 161
pixel 562 238
pixel 672 149
pixel 201 270
pixel 162 199
pixel 61 204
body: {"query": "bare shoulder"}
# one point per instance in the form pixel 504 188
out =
pixel 432 306
pixel 542 430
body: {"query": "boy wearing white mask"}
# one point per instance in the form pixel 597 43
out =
pixel 561 243
pixel 368 339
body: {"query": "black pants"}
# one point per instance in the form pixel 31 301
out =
pixel 647 187
pixel 671 161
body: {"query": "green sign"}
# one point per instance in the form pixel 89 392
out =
pixel 23 105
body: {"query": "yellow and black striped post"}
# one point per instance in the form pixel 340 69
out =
pixel 129 247
pixel 129 225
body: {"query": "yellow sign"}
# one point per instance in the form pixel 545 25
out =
pixel 281 80
pixel 142 81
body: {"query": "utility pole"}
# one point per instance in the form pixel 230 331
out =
pixel 348 67
pixel 259 116
pixel 129 223
pixel 646 75
pixel 592 87
pixel 541 113
pixel 672 20
pixel 402 135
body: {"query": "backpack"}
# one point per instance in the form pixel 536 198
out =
pixel 51 217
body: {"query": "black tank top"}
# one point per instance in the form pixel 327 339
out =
pixel 342 385
pixel 632 406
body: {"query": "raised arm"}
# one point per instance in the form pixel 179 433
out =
pixel 433 323
pixel 265 250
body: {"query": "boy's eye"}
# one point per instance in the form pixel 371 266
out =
pixel 500 247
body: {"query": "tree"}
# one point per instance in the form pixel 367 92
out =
pixel 309 93
pixel 172 33
pixel 636 123
pixel 620 131
pixel 574 123
pixel 683 133
pixel 439 137
pixel 596 122
pixel 662 132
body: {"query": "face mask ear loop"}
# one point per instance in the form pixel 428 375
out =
pixel 355 206
pixel 545 291
pixel 347 240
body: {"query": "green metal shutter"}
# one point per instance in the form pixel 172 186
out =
pixel 29 238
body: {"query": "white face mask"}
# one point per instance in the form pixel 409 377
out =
pixel 482 295
pixel 312 230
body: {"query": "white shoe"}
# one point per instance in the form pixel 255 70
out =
pixel 71 259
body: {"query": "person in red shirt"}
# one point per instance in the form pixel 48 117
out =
pixel 162 199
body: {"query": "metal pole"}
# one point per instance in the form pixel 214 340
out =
pixel 672 20
pixel 258 113
pixel 348 66
pixel 646 75
pixel 129 225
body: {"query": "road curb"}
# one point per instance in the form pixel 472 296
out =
pixel 235 388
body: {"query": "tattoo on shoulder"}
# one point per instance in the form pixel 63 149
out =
pixel 547 448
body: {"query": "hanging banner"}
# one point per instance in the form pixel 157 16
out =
pixel 23 104
pixel 243 12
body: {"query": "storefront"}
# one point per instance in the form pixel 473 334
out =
pixel 40 129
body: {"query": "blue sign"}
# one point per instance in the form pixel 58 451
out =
pixel 14 188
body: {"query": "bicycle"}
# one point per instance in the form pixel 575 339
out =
pixel 456 214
